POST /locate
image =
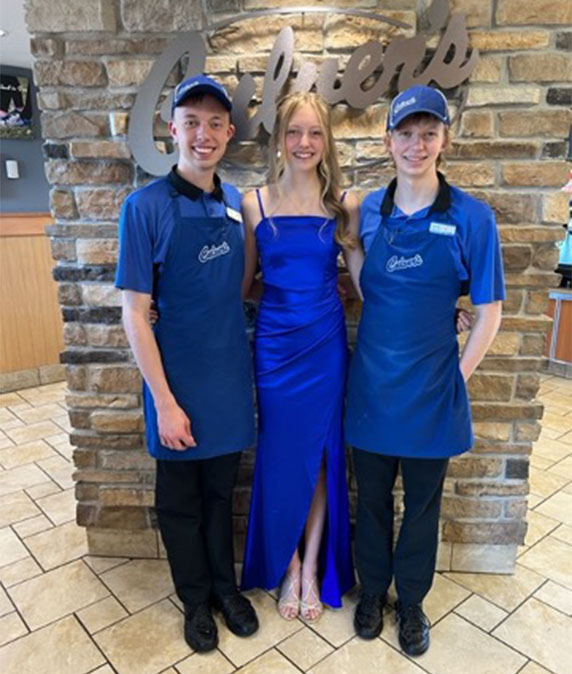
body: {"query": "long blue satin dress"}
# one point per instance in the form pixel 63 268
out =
pixel 300 371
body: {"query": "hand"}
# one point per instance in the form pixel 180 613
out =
pixel 153 313
pixel 463 320
pixel 174 428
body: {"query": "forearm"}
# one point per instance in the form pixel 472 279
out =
pixel 354 263
pixel 147 356
pixel 487 322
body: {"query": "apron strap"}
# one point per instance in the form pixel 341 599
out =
pixel 260 205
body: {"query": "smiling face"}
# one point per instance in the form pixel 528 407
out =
pixel 201 128
pixel 416 144
pixel 304 140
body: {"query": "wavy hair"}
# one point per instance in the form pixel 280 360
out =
pixel 328 169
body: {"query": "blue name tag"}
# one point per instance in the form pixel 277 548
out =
pixel 442 228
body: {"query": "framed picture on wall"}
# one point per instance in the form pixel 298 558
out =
pixel 15 106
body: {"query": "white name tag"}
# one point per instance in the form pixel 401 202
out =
pixel 442 228
pixel 234 215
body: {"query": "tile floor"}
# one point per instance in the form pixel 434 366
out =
pixel 65 612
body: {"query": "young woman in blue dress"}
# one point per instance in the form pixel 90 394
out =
pixel 426 243
pixel 296 226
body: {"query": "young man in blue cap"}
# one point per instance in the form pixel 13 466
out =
pixel 181 246
pixel 426 243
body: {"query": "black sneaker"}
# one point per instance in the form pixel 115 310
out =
pixel 413 628
pixel 368 616
pixel 238 614
pixel 200 628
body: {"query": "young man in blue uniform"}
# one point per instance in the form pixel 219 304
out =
pixel 181 246
pixel 426 243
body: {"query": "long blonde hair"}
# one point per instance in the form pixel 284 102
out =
pixel 328 169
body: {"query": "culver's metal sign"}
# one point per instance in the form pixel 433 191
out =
pixel 404 57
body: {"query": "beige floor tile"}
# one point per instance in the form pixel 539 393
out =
pixel 526 630
pixel 38 431
pixel 32 526
pixel 539 525
pixel 39 397
pixel 146 642
pixel 28 453
pixel 533 668
pixel 533 500
pixel 457 646
pixel 9 421
pixel 549 433
pixel 566 438
pixel 336 626
pixel 8 399
pixel 19 478
pixel 59 545
pixel 11 627
pixel 16 507
pixel 57 593
pixel 443 597
pixel 504 591
pixel 59 470
pixel 551 558
pixel 542 483
pixel 272 630
pixel 563 533
pixel 32 415
pixel 44 489
pixel 62 648
pixel 269 663
pixel 556 596
pixel 558 397
pixel 567 489
pixel 551 450
pixel 59 507
pixel 6 605
pixel 366 657
pixel 11 548
pixel 139 583
pixel 5 441
pixel 63 422
pixel 556 422
pixel 539 462
pixel 19 571
pixel 60 440
pixel 562 468
pixel 205 663
pixel 305 648
pixel 106 669
pixel 481 612
pixel 102 614
pixel 102 564
pixel 558 507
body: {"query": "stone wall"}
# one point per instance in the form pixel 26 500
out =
pixel 509 149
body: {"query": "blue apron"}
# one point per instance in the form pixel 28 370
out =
pixel 406 394
pixel 202 338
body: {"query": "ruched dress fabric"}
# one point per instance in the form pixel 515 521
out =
pixel 300 371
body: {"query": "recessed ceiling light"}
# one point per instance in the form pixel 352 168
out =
pixel 3 33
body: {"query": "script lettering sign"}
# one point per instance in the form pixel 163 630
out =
pixel 404 57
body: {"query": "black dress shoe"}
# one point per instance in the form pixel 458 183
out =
pixel 368 617
pixel 413 628
pixel 200 628
pixel 238 614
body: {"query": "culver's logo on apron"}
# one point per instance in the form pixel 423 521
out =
pixel 398 263
pixel 209 253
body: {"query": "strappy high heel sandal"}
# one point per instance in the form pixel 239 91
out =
pixel 289 600
pixel 310 601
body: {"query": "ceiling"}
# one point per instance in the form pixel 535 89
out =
pixel 14 47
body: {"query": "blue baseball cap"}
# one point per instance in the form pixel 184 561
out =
pixel 198 85
pixel 417 99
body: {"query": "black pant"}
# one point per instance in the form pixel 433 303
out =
pixel 414 558
pixel 194 512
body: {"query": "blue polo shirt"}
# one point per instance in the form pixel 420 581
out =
pixel 147 221
pixel 477 253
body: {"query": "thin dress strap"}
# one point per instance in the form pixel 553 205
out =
pixel 343 196
pixel 262 213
